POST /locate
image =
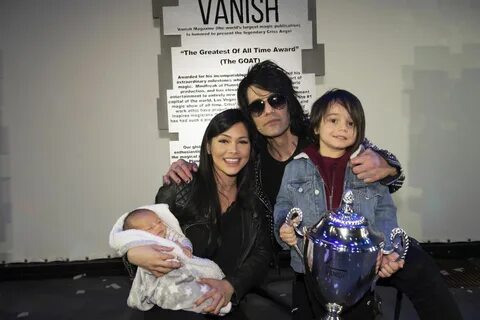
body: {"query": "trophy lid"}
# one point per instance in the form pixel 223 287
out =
pixel 346 230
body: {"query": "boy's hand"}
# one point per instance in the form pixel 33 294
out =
pixel 179 171
pixel 369 166
pixel 390 264
pixel 287 234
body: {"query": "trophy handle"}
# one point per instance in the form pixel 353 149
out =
pixel 294 218
pixel 400 241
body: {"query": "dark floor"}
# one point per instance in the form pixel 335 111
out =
pixel 87 296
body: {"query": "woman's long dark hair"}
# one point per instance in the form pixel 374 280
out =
pixel 205 192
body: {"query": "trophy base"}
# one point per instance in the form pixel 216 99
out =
pixel 333 310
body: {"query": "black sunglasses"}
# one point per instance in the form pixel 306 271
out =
pixel 275 100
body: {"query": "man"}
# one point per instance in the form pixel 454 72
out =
pixel 267 96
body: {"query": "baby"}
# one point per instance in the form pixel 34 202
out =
pixel 149 221
pixel 177 289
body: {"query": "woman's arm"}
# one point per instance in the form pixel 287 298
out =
pixel 154 258
pixel 385 213
pixel 221 292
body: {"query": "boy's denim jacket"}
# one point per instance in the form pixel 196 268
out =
pixel 303 187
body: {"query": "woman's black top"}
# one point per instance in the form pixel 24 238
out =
pixel 240 245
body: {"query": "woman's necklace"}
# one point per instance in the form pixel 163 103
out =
pixel 227 197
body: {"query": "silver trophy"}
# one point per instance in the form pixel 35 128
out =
pixel 340 254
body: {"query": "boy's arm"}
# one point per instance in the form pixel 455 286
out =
pixel 386 221
pixel 385 214
pixel 395 181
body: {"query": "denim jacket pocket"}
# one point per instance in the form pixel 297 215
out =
pixel 365 198
pixel 301 190
pixel 308 198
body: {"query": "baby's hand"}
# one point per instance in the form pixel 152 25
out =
pixel 287 234
pixel 390 265
pixel 187 251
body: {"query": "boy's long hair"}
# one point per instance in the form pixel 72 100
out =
pixel 350 102
pixel 204 190
pixel 267 75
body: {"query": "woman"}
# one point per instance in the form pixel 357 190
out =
pixel 218 213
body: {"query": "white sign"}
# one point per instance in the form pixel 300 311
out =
pixel 220 40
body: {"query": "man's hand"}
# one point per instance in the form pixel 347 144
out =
pixel 220 293
pixel 369 166
pixel 287 234
pixel 179 171
pixel 390 264
pixel 154 258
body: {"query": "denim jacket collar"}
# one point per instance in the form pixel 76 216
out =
pixel 303 155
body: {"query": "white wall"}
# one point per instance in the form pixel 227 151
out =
pixel 415 65
pixel 79 140
pixel 79 87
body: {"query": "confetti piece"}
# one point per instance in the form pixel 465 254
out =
pixel 444 272
pixel 459 269
pixel 22 315
pixel 78 276
pixel 80 292
pixel 113 285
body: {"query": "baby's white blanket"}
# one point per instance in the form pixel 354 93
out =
pixel 179 288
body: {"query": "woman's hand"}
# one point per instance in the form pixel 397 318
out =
pixel 390 264
pixel 287 234
pixel 154 258
pixel 221 293
pixel 179 171
pixel 369 166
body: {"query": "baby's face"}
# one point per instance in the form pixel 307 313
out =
pixel 151 223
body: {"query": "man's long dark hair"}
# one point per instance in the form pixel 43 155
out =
pixel 269 76
pixel 205 192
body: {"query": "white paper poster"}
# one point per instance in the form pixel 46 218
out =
pixel 220 40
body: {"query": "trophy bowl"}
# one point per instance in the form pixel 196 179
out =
pixel 340 254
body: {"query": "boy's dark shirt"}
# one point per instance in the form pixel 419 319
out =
pixel 332 171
